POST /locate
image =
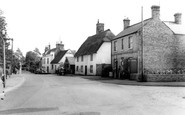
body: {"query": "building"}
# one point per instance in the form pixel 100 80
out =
pixel 52 58
pixel 95 52
pixel 60 59
pixel 151 50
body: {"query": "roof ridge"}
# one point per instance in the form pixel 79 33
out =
pixel 139 22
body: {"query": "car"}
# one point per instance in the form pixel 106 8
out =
pixel 40 71
pixel 61 71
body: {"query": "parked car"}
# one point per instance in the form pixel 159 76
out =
pixel 40 71
pixel 61 71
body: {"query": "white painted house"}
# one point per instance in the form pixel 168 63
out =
pixel 52 58
pixel 94 53
pixel 60 59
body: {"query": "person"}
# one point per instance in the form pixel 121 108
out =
pixel 3 80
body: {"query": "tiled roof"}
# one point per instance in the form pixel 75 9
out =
pixel 71 60
pixel 58 57
pixel 176 28
pixel 93 43
pixel 131 29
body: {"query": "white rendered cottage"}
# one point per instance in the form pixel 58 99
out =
pixel 94 53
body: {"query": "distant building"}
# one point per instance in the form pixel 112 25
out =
pixel 163 49
pixel 94 53
pixel 52 58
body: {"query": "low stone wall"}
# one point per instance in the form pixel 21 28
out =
pixel 165 77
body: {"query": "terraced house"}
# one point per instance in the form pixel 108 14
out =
pixel 95 53
pixel 153 47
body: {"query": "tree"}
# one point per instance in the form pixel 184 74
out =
pixel 3 25
pixel 32 60
pixel 36 50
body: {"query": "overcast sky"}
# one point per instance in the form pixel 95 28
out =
pixel 36 23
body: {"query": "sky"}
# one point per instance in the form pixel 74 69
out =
pixel 38 23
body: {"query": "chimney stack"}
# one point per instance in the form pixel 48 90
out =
pixel 99 27
pixel 155 12
pixel 177 17
pixel 59 45
pixel 126 23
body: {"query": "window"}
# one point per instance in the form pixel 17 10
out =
pixel 130 42
pixel 82 58
pixel 91 68
pixel 52 66
pixel 122 45
pixel 76 68
pixel 77 59
pixel 47 60
pixel 91 57
pixel 82 68
pixel 55 67
pixel 115 45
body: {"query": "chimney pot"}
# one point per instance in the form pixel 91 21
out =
pixel 126 23
pixel 177 17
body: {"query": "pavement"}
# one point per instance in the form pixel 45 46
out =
pixel 132 82
pixel 13 82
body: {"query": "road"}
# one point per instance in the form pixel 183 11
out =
pixel 64 95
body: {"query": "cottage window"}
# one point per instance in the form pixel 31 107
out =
pixel 91 57
pixel 91 68
pixel 130 42
pixel 82 68
pixel 115 45
pixel 47 60
pixel 82 58
pixel 76 68
pixel 122 45
pixel 77 59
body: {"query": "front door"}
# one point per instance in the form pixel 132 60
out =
pixel 85 70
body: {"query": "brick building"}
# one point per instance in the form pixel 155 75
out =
pixel 163 49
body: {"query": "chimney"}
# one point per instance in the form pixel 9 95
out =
pixel 126 23
pixel 59 45
pixel 177 17
pixel 155 12
pixel 99 27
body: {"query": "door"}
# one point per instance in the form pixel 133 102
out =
pixel 47 69
pixel 85 70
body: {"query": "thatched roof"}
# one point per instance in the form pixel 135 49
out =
pixel 93 43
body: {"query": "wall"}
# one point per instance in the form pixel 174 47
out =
pixel 104 54
pixel 159 50
pixel 45 65
pixel 86 62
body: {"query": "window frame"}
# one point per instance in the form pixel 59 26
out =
pixel 115 45
pixel 91 57
pixel 130 42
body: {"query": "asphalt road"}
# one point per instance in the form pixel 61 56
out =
pixel 64 95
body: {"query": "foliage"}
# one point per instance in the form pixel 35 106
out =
pixel 32 59
pixel 3 34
